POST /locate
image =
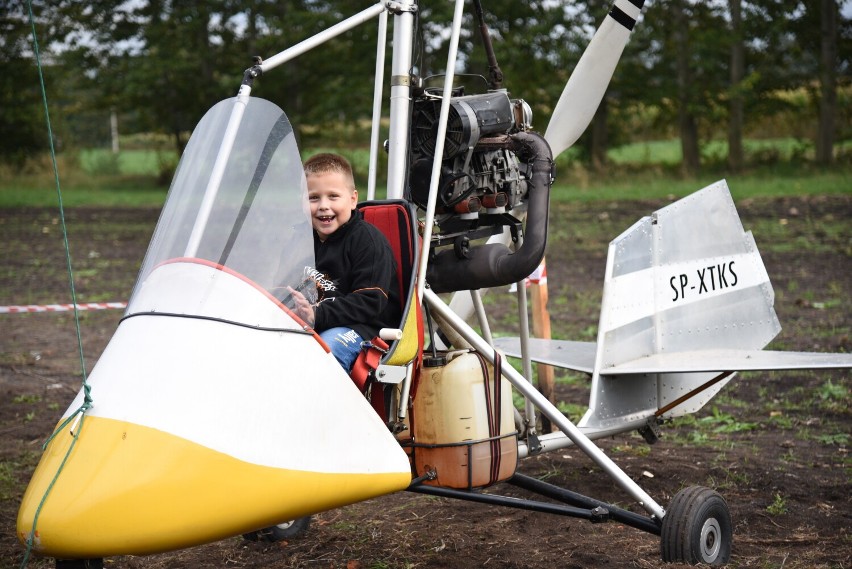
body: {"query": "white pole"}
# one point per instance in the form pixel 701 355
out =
pixel 400 98
pixel 218 171
pixel 113 129
pixel 439 146
pixel 322 37
pixel 377 105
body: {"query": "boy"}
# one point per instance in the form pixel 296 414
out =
pixel 357 288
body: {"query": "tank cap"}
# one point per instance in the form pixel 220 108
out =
pixel 434 361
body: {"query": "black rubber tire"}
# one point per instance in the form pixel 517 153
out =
pixel 80 563
pixel 285 530
pixel 697 528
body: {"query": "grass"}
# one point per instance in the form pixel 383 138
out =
pixel 831 391
pixel 833 439
pixel 37 193
pixel 711 429
pixel 10 469
pixel 658 185
pixel 8 481
pixel 669 151
pixel 100 161
pixel 639 171
pixel 574 411
pixel 778 505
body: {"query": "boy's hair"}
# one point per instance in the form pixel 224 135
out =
pixel 327 162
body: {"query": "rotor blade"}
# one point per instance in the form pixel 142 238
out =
pixel 588 82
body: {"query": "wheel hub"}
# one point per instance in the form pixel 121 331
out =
pixel 711 540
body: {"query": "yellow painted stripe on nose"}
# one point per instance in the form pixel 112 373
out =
pixel 129 489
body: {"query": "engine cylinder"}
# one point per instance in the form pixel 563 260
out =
pixel 471 117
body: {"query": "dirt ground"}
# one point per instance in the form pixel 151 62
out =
pixel 775 445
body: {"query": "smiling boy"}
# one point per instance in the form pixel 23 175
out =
pixel 357 287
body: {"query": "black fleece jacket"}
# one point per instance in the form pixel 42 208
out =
pixel 358 287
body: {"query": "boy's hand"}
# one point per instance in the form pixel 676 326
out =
pixel 301 306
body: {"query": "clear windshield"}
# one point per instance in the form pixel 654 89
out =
pixel 254 219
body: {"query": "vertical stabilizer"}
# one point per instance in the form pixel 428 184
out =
pixel 686 277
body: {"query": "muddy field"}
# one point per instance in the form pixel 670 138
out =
pixel 775 445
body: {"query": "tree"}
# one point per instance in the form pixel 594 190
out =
pixel 22 116
pixel 806 50
pixel 736 114
pixel 181 68
pixel 597 137
pixel 695 65
pixel 686 70
pixel 685 95
pixel 828 82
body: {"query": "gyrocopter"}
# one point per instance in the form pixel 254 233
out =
pixel 214 410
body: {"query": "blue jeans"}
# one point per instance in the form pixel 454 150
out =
pixel 345 345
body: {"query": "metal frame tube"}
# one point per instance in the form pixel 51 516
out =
pixel 476 297
pixel 379 9
pixel 580 501
pixel 555 441
pixel 405 390
pixel 322 37
pixel 510 502
pixel 439 145
pixel 547 408
pixel 218 171
pixel 524 326
pixel 377 105
pixel 400 98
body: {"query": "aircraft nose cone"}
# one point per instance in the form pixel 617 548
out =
pixel 203 428
pixel 129 489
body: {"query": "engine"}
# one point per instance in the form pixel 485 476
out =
pixel 481 179
pixel 493 168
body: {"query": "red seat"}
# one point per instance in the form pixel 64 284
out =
pixel 396 219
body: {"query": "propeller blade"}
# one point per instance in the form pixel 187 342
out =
pixel 588 82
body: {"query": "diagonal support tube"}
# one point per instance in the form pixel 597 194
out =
pixel 547 408
pixel 322 37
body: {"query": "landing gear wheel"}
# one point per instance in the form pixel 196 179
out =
pixel 285 530
pixel 697 528
pixel 80 563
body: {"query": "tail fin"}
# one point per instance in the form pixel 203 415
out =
pixel 685 277
pixel 686 303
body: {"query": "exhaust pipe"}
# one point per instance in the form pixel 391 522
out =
pixel 494 264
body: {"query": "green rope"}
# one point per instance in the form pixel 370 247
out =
pixel 87 397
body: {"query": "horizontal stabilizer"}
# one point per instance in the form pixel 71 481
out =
pixel 579 356
pixel 730 360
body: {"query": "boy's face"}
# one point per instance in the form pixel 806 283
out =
pixel 332 200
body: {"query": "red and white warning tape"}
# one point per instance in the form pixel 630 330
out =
pixel 60 307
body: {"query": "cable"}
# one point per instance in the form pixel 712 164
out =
pixel 87 398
